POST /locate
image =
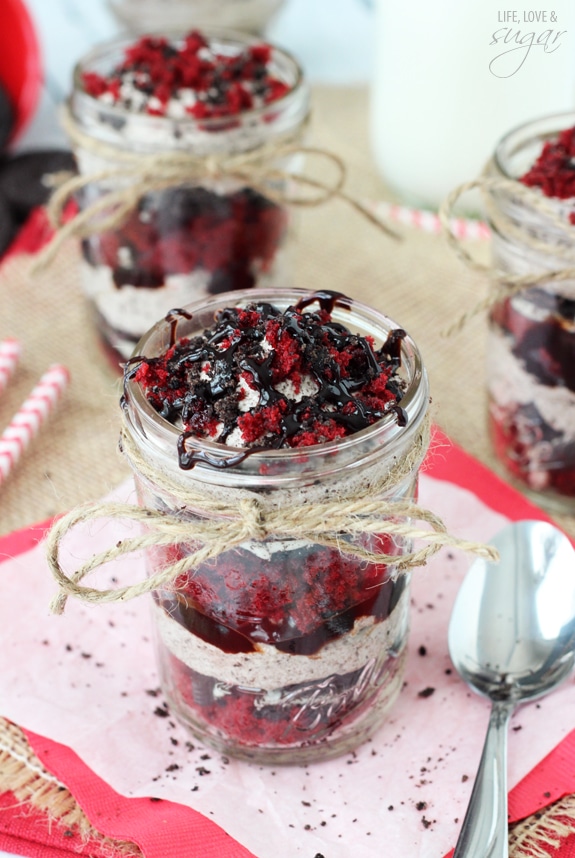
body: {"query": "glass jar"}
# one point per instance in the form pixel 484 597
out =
pixel 214 233
pixel 281 650
pixel 149 15
pixel 531 341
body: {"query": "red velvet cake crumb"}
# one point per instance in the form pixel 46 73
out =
pixel 554 170
pixel 263 378
pixel 223 84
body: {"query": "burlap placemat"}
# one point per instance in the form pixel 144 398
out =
pixel 416 281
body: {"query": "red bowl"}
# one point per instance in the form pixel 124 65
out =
pixel 20 62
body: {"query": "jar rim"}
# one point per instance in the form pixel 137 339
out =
pixel 414 400
pixel 212 124
pixel 540 129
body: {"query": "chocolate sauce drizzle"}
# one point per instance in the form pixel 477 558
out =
pixel 327 300
pixel 232 348
pixel 173 318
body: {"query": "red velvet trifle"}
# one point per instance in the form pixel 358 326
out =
pixel 281 415
pixel 531 346
pixel 196 123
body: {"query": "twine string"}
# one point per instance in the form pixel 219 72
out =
pixel 140 174
pixel 212 538
pixel 338 524
pixel 504 284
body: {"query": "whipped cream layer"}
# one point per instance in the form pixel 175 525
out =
pixel 129 311
pixel 511 385
pixel 133 309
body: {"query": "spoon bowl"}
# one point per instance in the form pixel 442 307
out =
pixel 512 639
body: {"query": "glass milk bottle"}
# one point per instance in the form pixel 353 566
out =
pixel 451 77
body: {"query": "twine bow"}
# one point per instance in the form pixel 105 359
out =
pixel 139 174
pixel 338 524
pixel 505 284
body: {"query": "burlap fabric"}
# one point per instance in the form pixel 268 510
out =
pixel 416 281
pixel 25 777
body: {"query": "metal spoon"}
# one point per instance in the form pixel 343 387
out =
pixel 512 639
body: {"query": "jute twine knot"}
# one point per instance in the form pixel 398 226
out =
pixel 253 518
pixel 137 174
pixel 241 516
pixel 504 284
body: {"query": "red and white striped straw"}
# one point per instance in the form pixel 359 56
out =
pixel 9 356
pixel 429 221
pixel 32 414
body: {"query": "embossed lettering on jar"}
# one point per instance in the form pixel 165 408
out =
pixel 531 345
pixel 215 98
pixel 280 649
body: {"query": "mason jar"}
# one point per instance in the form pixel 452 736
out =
pixel 531 339
pixel 150 15
pixel 223 228
pixel 282 648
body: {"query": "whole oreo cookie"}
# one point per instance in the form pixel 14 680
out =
pixel 7 225
pixel 6 118
pixel 25 179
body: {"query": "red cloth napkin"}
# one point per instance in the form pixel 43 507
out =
pixel 27 831
pixel 159 827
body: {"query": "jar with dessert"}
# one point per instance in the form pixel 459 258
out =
pixel 252 16
pixel 531 341
pixel 277 435
pixel 183 145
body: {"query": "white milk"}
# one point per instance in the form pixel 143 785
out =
pixel 453 76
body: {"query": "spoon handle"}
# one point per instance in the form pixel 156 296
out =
pixel 484 833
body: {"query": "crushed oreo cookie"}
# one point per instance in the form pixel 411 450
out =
pixel 265 378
